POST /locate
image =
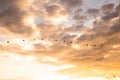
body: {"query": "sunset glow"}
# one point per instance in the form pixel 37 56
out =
pixel 59 39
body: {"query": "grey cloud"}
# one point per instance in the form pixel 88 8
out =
pixel 52 31
pixel 79 10
pixel 81 28
pixel 52 9
pixel 46 29
pixel 114 28
pixel 67 37
pixel 69 4
pixel 55 10
pixel 92 11
pixel 11 17
pixel 107 7
pixel 101 29
pixel 110 16
pixel 79 18
pixel 100 59
pixel 39 46
pixel 118 8
pixel 115 39
pixel 86 37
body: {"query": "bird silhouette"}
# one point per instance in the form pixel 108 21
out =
pixel 7 41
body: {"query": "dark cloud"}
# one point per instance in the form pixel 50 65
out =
pixel 46 29
pixel 52 9
pixel 39 46
pixel 68 29
pixel 70 4
pixel 101 40
pixel 92 12
pixel 79 18
pixel 67 37
pixel 113 40
pixel 107 7
pixel 100 59
pixel 118 8
pixel 110 16
pixel 80 10
pixel 115 28
pixel 101 29
pixel 81 28
pixel 86 37
pixel 11 17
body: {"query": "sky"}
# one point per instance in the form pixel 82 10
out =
pixel 59 39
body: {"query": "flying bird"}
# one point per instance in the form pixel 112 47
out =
pixel 7 41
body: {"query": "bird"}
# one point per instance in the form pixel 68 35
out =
pixel 56 40
pixel 7 41
pixel 101 45
pixel 71 42
pixel 49 39
pixel 87 44
pixel 77 42
pixel 94 44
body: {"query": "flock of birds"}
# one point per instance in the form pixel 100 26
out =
pixel 64 41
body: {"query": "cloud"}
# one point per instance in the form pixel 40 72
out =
pixel 54 13
pixel 92 12
pixel 100 40
pixel 46 29
pixel 102 29
pixel 61 34
pixel 79 18
pixel 67 37
pixel 55 10
pixel 107 8
pixel 118 8
pixel 52 9
pixel 110 16
pixel 11 17
pixel 71 4
pixel 115 28
pixel 79 10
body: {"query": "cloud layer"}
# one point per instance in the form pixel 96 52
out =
pixel 60 32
